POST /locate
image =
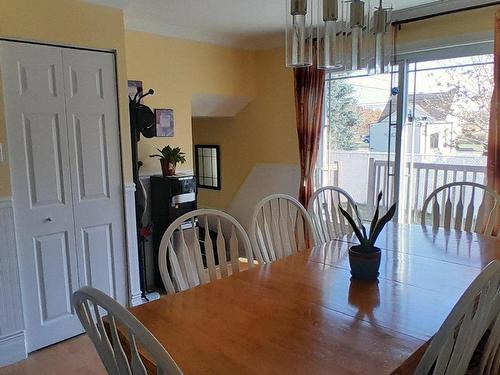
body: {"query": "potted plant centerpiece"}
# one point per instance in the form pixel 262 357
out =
pixel 364 258
pixel 169 157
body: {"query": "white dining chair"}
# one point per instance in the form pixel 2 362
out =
pixel 91 305
pixel 328 222
pixel 466 206
pixel 280 226
pixel 184 252
pixel 476 313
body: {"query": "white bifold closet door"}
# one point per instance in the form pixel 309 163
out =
pixel 63 137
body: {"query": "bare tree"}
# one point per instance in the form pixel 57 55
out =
pixel 472 86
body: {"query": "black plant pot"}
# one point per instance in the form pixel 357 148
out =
pixel 364 265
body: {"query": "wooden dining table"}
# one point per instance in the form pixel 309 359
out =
pixel 304 315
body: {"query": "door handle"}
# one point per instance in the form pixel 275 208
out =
pixel 49 220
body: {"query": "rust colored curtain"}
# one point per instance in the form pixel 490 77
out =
pixel 493 166
pixel 309 92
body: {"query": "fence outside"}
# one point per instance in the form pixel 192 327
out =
pixel 364 174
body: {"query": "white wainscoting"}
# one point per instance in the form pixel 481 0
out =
pixel 12 340
pixel 133 256
pixel 12 348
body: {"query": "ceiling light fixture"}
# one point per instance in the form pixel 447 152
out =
pixel 330 34
pixel 351 35
pixel 299 33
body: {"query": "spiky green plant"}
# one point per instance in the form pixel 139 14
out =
pixel 367 240
pixel 172 155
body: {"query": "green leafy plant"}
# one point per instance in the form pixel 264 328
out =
pixel 367 240
pixel 171 155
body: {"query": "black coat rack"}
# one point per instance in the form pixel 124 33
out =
pixel 142 121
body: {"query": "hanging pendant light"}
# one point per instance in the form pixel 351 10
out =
pixel 356 35
pixel 330 35
pixel 299 33
pixel 382 38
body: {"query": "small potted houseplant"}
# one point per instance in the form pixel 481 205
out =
pixel 364 258
pixel 169 157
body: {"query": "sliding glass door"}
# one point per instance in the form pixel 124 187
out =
pixel 406 133
pixel 359 137
pixel 445 133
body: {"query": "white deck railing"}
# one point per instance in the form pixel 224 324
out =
pixel 368 176
pixel 419 181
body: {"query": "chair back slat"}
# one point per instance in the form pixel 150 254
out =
pixel 179 280
pixel 119 352
pixel 278 250
pixel 284 222
pixel 221 250
pixel 436 215
pixel 262 256
pixel 137 366
pixel 482 216
pixel 234 251
pixel 268 253
pixel 469 216
pixel 291 224
pixel 480 203
pixel 474 318
pixel 336 223
pixel 196 251
pixel 193 263
pixel 209 252
pixel 329 223
pixel 447 212
pixel 459 212
pixel 280 227
pixel 186 262
pixel 301 233
pixel 120 356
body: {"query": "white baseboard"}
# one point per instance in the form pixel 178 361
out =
pixel 136 299
pixel 12 348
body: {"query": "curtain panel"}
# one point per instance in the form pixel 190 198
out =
pixel 309 93
pixel 493 164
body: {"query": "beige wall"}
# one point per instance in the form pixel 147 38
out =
pixel 67 22
pixel 177 69
pixel 264 132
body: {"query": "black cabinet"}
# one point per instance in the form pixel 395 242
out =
pixel 171 197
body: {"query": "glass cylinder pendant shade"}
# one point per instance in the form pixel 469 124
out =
pixel 356 35
pixel 382 39
pixel 299 36
pixel 330 34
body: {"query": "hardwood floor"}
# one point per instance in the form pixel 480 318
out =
pixel 75 356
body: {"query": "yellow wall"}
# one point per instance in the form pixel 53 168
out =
pixel 176 69
pixel 68 22
pixel 264 132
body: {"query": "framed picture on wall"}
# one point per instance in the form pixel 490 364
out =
pixel 132 88
pixel 207 161
pixel 164 122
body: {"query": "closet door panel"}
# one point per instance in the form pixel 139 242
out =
pixel 32 78
pixel 92 113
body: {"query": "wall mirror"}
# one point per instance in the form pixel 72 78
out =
pixel 208 166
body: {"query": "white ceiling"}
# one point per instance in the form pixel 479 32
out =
pixel 250 24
